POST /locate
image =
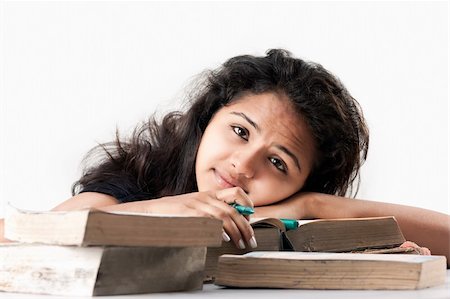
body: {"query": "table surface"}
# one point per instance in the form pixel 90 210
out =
pixel 213 291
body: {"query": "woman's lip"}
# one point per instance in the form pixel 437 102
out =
pixel 227 182
pixel 223 182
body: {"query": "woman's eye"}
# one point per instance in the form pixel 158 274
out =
pixel 241 132
pixel 279 164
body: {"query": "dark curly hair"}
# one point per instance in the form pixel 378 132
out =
pixel 158 159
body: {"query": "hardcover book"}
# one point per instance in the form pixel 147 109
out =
pixel 99 270
pixel 96 227
pixel 314 270
pixel 345 234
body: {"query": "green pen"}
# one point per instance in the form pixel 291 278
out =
pixel 290 223
pixel 243 210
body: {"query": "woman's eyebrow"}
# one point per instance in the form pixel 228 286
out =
pixel 290 154
pixel 248 119
pixel 280 147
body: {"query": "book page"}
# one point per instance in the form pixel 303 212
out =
pixel 412 258
pixel 274 222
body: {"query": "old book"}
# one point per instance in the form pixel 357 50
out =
pixel 97 270
pixel 362 235
pixel 267 234
pixel 314 270
pixel 95 227
pixel 346 234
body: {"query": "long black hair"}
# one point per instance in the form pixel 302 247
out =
pixel 158 159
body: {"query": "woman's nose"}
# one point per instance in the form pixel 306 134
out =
pixel 243 163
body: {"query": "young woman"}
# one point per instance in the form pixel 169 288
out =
pixel 275 132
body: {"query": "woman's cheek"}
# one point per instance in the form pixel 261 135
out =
pixel 266 193
pixel 279 190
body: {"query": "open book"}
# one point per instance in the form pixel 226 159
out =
pixel 338 235
pixel 363 235
pixel 313 270
pixel 345 234
pixel 95 227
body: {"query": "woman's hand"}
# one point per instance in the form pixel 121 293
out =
pixel 203 204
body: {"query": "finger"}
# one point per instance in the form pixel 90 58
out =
pixel 245 229
pixel 220 210
pixel 225 236
pixel 233 232
pixel 235 224
pixel 223 211
pixel 234 195
pixel 239 196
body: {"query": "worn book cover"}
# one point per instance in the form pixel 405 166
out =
pixel 99 270
pixel 96 227
pixel 318 270
pixel 345 234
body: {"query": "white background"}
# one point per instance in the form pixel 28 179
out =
pixel 72 72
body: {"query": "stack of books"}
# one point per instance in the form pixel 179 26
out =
pixel 357 235
pixel 91 252
pixel 353 253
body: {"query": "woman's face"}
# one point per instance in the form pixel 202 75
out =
pixel 258 143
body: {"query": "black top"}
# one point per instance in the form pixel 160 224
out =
pixel 120 188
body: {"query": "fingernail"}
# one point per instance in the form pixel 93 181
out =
pixel 241 244
pixel 252 242
pixel 226 237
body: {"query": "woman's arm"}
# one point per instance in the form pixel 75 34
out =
pixel 203 204
pixel 80 201
pixel 86 200
pixel 425 227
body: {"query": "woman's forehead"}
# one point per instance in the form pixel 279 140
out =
pixel 276 118
pixel 266 107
